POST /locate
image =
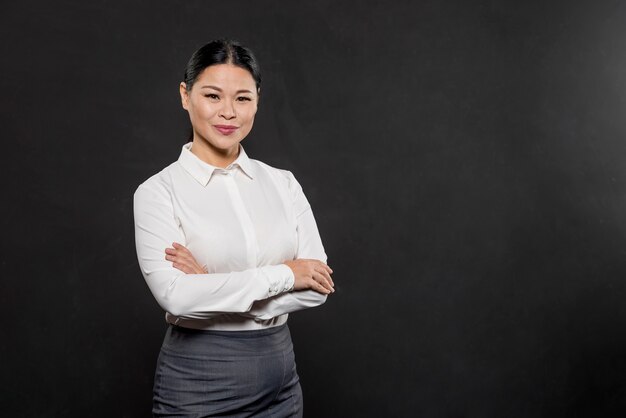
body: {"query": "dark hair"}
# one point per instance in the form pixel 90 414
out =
pixel 221 51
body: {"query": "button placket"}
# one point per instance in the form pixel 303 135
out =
pixel 244 218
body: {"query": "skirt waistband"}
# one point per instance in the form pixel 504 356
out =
pixel 253 333
pixel 221 344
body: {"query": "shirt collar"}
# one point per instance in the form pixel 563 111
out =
pixel 202 171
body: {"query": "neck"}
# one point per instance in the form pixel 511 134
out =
pixel 215 156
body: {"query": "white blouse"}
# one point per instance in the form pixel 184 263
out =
pixel 242 222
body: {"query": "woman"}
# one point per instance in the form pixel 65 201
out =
pixel 229 247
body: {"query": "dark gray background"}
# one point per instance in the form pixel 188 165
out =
pixel 465 161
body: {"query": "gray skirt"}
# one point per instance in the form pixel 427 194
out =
pixel 227 373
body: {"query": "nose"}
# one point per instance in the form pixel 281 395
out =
pixel 228 110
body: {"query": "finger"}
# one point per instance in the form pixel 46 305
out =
pixel 185 258
pixel 177 259
pixel 182 267
pixel 170 251
pixel 314 285
pixel 326 275
pixel 325 266
pixel 183 255
pixel 197 268
pixel 191 264
pixel 186 255
pixel 183 264
pixel 320 264
pixel 321 279
pixel 181 248
pixel 194 267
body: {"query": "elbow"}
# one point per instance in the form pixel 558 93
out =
pixel 167 295
pixel 313 298
pixel 172 306
pixel 185 302
pixel 181 309
pixel 175 311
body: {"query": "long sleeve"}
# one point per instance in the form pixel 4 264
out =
pixel 193 296
pixel 309 246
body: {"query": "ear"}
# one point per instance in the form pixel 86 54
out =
pixel 184 95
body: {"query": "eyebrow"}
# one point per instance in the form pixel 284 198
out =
pixel 219 89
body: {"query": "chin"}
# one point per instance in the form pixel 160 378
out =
pixel 225 144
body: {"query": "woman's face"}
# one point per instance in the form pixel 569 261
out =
pixel 221 105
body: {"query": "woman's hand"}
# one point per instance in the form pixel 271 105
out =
pixel 311 274
pixel 183 260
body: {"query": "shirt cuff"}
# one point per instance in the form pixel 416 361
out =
pixel 281 279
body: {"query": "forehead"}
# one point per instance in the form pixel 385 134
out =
pixel 226 77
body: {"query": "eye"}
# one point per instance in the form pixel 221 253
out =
pixel 243 99
pixel 212 96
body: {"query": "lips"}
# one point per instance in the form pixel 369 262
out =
pixel 226 129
